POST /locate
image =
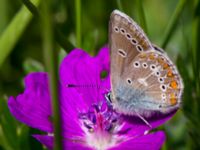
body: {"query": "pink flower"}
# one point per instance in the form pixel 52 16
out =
pixel 87 122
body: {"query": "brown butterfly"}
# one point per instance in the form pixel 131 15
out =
pixel 143 78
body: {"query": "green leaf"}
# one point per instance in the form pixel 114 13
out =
pixel 31 65
pixel 173 22
pixel 8 128
pixel 61 55
pixel 11 35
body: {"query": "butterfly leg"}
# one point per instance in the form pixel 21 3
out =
pixel 144 120
pixel 109 100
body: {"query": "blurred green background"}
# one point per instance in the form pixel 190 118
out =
pixel 171 24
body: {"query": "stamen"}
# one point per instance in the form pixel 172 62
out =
pixel 100 125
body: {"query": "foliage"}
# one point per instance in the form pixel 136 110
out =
pixel 27 27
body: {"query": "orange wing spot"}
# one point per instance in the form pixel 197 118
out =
pixel 174 85
pixel 143 55
pixel 151 56
pixel 170 73
pixel 160 60
pixel 165 66
pixel 173 99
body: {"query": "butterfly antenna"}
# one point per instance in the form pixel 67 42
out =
pixel 144 120
pixel 88 86
pixel 71 85
pixel 82 86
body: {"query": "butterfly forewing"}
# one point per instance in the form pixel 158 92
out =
pixel 126 40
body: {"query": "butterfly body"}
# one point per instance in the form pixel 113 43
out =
pixel 144 80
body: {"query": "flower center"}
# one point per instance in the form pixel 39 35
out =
pixel 100 125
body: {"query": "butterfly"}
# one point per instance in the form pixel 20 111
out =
pixel 144 80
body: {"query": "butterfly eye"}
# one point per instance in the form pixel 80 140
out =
pixel 108 97
pixel 136 64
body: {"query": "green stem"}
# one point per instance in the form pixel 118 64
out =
pixel 78 23
pixel 63 41
pixel 4 14
pixel 119 4
pixel 196 47
pixel 142 16
pixel 50 56
pixel 164 147
pixel 31 7
pixel 173 23
pixel 11 34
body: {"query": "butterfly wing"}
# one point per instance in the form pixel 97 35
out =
pixel 126 41
pixel 143 78
pixel 155 84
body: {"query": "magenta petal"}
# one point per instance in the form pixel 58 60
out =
pixel 71 104
pixel 33 106
pixel 135 126
pixel 104 58
pixel 80 69
pixel 75 146
pixel 83 72
pixel 152 141
pixel 81 85
pixel 158 120
pixel 45 139
pixel 48 142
